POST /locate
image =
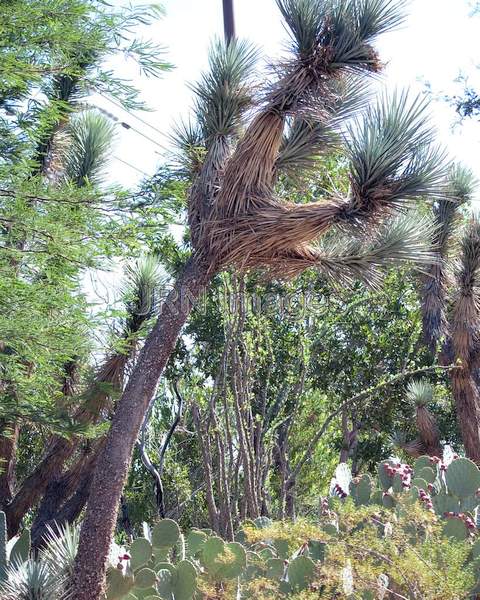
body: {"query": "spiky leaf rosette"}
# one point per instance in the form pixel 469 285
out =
pixel 90 136
pixel 60 548
pixel 225 91
pixel 141 291
pixel 393 158
pixel 307 138
pixel 140 295
pixel 223 94
pixel 328 37
pixel 414 448
pixel 392 164
pixel 320 53
pixel 446 210
pixel 420 392
pixel 190 150
pixel 32 579
pixel 405 239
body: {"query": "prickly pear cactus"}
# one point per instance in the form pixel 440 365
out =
pixel 19 552
pixel 300 573
pixel 140 553
pixel 165 536
pixel 462 478
pixel 361 489
pixel 222 560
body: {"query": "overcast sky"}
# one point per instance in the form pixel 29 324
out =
pixel 438 41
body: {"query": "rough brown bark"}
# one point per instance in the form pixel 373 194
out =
pixel 112 468
pixel 35 485
pixel 467 404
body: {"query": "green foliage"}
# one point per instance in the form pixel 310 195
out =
pixel 90 137
pixel 41 39
pixel 353 547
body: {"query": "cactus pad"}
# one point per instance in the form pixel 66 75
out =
pixel 195 541
pixel 165 534
pixel 362 490
pixel 145 578
pixel 455 528
pixel 164 584
pixel 317 550
pixel 185 582
pixel 118 584
pixel 463 477
pixel 300 573
pixel 282 548
pixel 262 522
pixel 384 478
pixel 140 553
pixel 426 473
pixel 421 463
pixel 275 568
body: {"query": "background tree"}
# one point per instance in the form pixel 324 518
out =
pixel 52 199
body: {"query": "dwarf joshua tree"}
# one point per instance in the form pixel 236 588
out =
pixel 235 217
pixel 428 440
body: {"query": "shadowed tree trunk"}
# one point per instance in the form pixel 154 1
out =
pixel 465 323
pixel 100 520
pixel 65 492
pixel 458 330
pixel 8 446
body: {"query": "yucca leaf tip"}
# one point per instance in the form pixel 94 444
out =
pixel 393 157
pixel 90 138
pixel 420 392
pixel 224 92
pixel 344 29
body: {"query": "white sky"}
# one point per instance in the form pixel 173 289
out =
pixel 438 41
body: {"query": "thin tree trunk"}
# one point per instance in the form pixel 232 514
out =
pixel 88 581
pixel 204 443
pixel 8 445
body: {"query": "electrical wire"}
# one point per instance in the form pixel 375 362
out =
pixel 131 166
pixel 128 126
pixel 117 104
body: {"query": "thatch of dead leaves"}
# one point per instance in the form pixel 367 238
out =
pixel 235 216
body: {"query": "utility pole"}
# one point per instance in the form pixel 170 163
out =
pixel 228 20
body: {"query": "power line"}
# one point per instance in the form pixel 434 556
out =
pixel 131 166
pixel 128 126
pixel 117 104
pixel 228 20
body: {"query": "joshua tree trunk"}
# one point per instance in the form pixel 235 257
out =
pixel 467 403
pixel 112 468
